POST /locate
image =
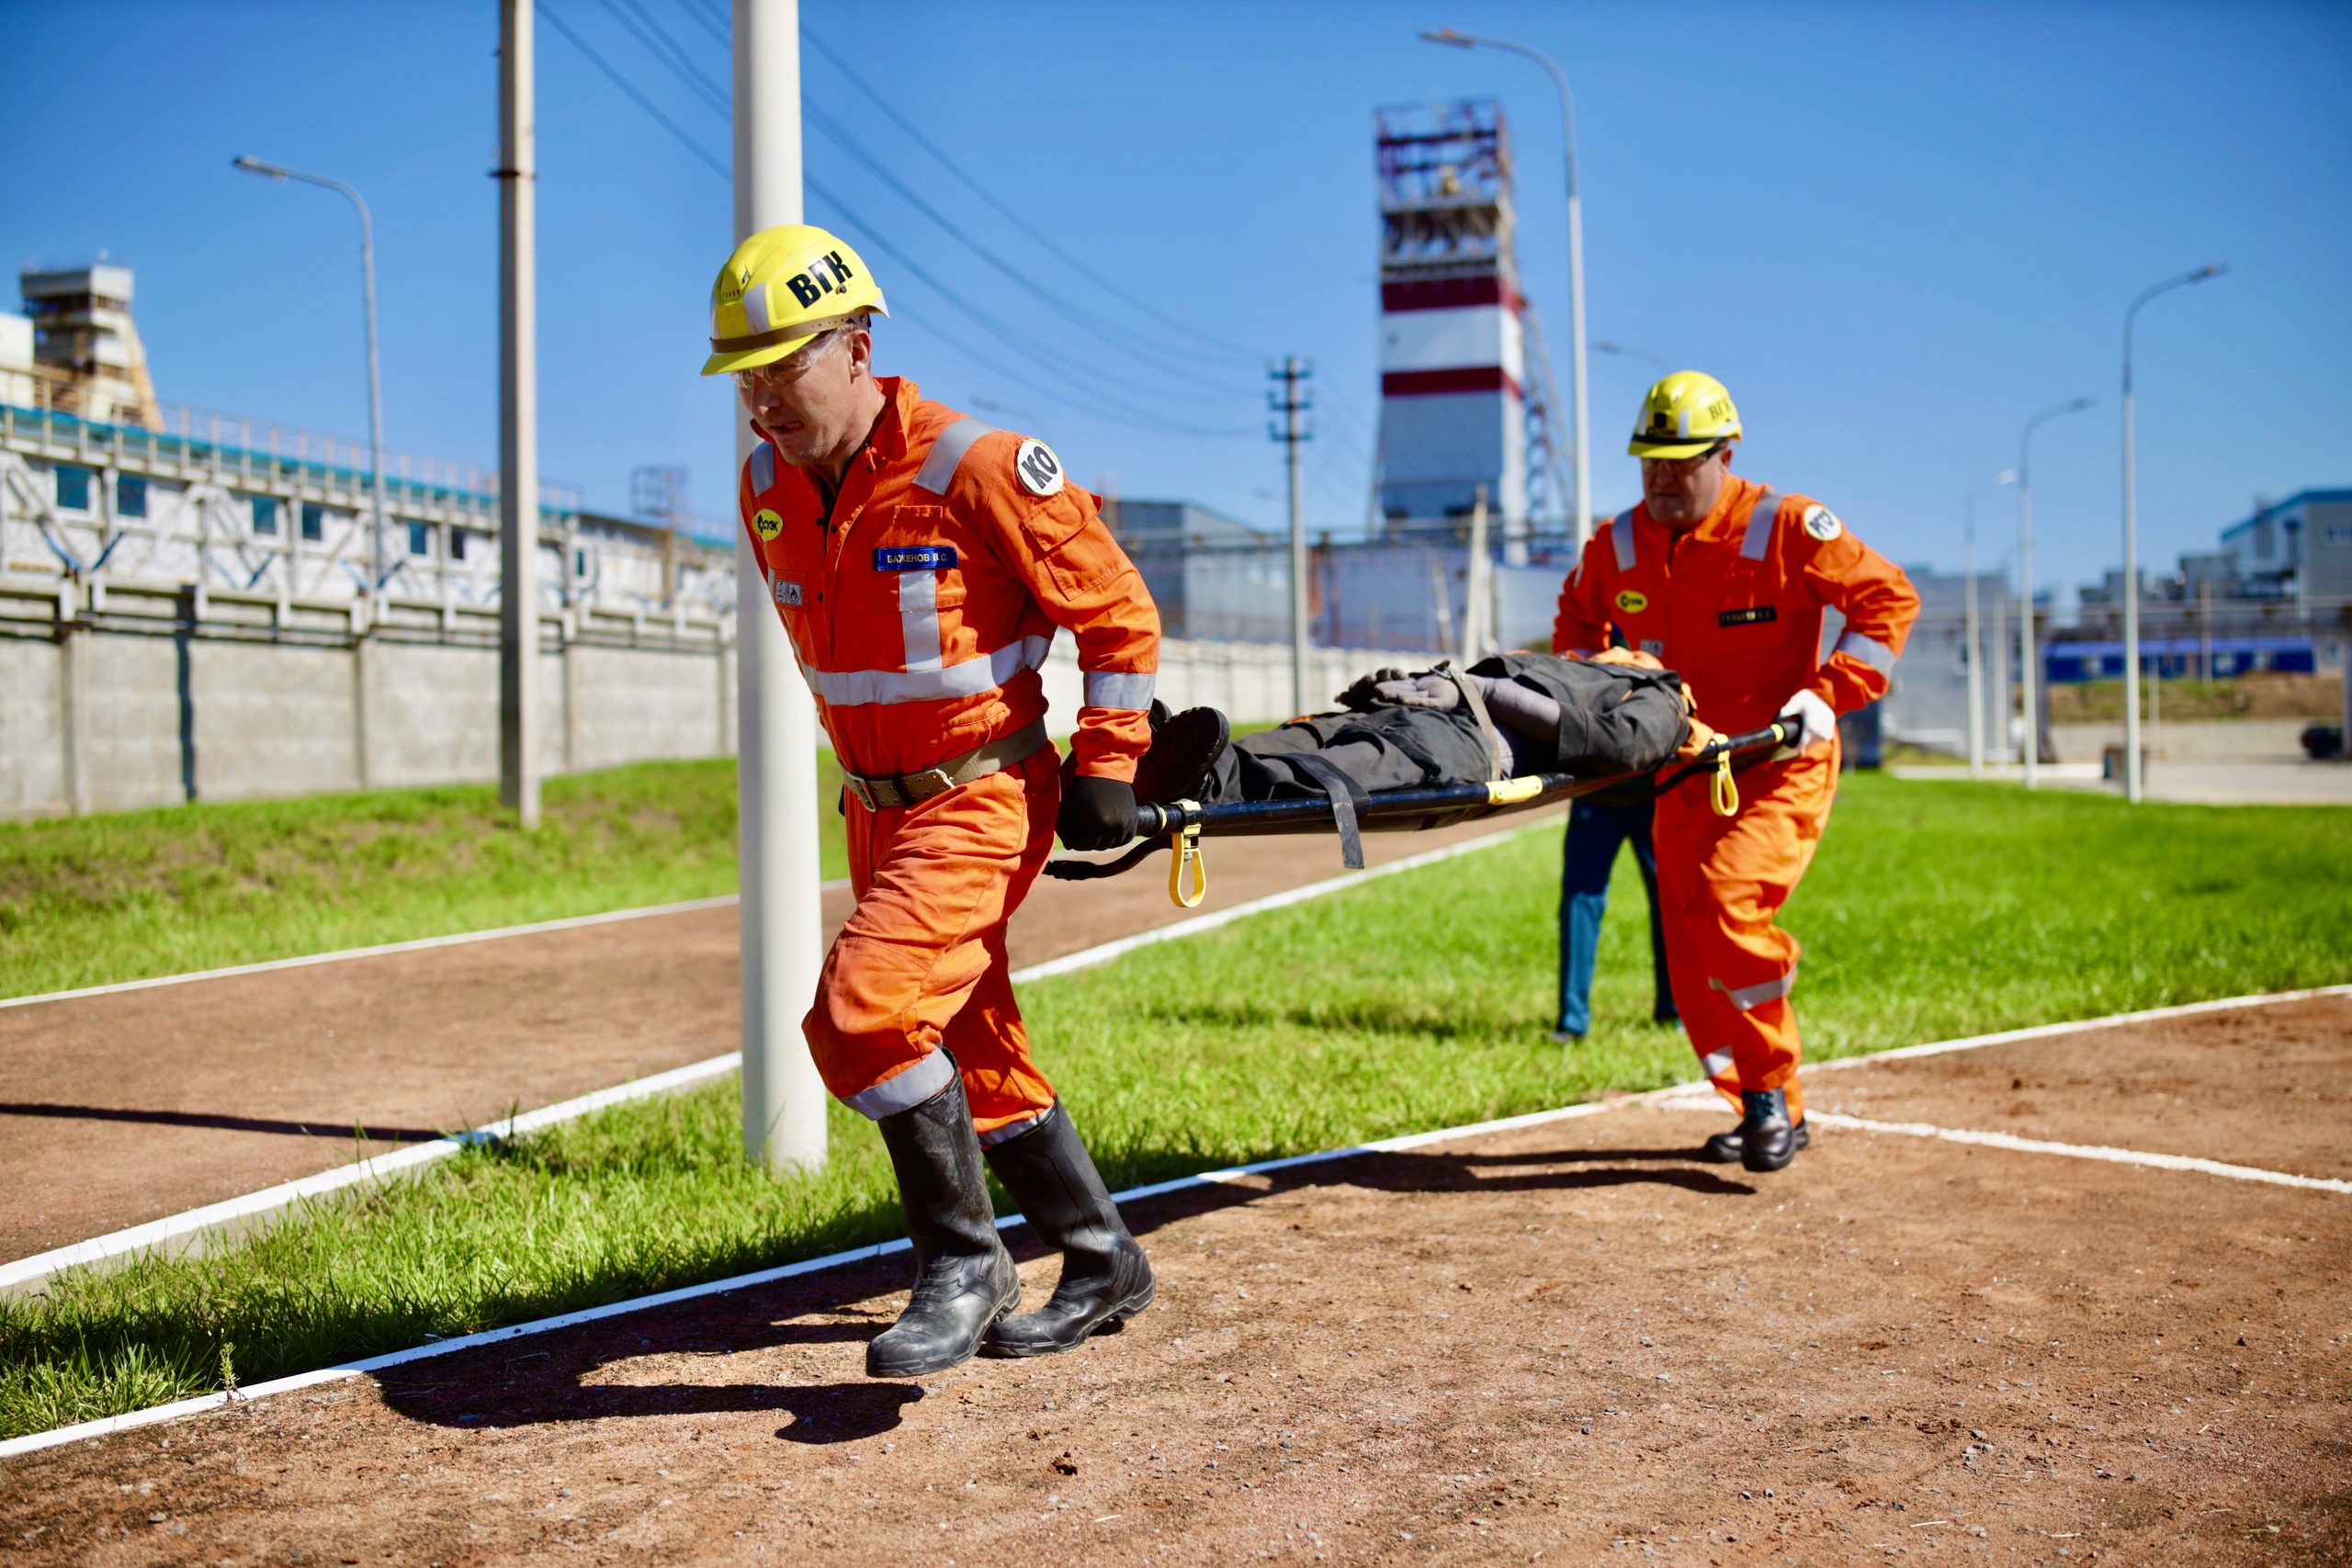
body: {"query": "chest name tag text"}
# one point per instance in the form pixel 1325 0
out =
pixel 1753 615
pixel 928 558
pixel 786 592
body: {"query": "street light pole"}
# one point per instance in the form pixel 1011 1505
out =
pixel 2132 536
pixel 2029 747
pixel 1291 402
pixel 1976 636
pixel 1576 254
pixel 518 413
pixel 375 382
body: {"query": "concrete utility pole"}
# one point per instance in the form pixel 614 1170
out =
pixel 519 416
pixel 1293 402
pixel 2131 537
pixel 1576 254
pixel 1975 636
pixel 2029 666
pixel 279 173
pixel 775 763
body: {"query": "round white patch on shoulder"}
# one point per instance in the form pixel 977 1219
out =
pixel 1039 471
pixel 1822 524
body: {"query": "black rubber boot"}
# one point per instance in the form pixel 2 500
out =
pixel 1106 1276
pixel 963 1278
pixel 1184 749
pixel 1724 1147
pixel 1765 1139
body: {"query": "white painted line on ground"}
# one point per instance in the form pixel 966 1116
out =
pixel 2051 1031
pixel 19 1277
pixel 87 1430
pixel 2080 1151
pixel 421 944
pixel 1108 950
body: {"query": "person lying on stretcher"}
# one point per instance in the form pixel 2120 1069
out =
pixel 1508 717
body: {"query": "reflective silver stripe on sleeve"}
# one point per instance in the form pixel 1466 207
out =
pixel 763 468
pixel 1749 996
pixel 1117 689
pixel 1014 1129
pixel 919 620
pixel 938 469
pixel 1716 1064
pixel 1760 526
pixel 1868 649
pixel 972 678
pixel 907 1090
pixel 1620 534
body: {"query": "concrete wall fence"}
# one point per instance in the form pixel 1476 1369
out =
pixel 114 698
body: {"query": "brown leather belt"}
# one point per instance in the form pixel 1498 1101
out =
pixel 910 789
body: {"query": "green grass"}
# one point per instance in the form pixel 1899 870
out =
pixel 87 901
pixel 1411 1002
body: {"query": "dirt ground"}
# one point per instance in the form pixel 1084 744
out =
pixel 1568 1343
pixel 117 1110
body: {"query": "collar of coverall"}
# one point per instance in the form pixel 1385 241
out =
pixel 887 440
pixel 1715 525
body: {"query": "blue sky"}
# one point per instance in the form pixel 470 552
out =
pixel 1895 231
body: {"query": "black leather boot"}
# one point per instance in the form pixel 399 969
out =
pixel 963 1278
pixel 1724 1147
pixel 1765 1139
pixel 1105 1277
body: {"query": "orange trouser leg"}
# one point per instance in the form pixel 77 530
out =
pixel 1725 880
pixel 922 963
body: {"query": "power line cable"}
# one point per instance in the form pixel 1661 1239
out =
pixel 624 83
pixel 1009 213
pixel 1065 368
pixel 668 53
pixel 1140 419
pixel 1108 332
pixel 715 22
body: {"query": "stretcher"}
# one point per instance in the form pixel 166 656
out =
pixel 1351 811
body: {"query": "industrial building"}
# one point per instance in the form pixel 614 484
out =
pixel 1466 402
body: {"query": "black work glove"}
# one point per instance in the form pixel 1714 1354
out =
pixel 1097 814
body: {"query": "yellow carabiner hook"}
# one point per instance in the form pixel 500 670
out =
pixel 1722 792
pixel 1184 847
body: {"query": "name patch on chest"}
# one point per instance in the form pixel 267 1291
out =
pixel 1754 614
pixel 925 557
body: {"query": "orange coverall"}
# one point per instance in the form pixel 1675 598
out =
pixel 1736 607
pixel 920 607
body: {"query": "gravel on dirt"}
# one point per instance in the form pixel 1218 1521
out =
pixel 1568 1343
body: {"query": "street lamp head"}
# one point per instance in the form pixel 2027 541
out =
pixel 1448 36
pixel 2210 269
pixel 255 166
pixel 2082 404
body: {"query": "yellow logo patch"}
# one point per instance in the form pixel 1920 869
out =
pixel 767 524
pixel 1632 603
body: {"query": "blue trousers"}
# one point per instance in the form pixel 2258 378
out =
pixel 1590 853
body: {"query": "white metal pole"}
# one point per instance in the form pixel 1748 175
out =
pixel 518 419
pixel 1291 375
pixel 783 916
pixel 2131 781
pixel 375 389
pixel 2029 674
pixel 1975 654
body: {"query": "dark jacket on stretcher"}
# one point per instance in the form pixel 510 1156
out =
pixel 1611 719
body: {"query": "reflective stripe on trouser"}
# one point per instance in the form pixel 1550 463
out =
pixel 921 963
pixel 1725 880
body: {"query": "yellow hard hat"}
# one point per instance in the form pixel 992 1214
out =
pixel 1683 415
pixel 781 288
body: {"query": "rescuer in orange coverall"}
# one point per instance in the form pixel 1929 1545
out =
pixel 1725 581
pixel 920 561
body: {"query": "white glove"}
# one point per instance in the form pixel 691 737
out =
pixel 1813 720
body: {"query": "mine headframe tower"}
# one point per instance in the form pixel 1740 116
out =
pixel 1466 388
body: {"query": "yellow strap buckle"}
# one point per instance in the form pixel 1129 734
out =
pixel 1184 846
pixel 1723 793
